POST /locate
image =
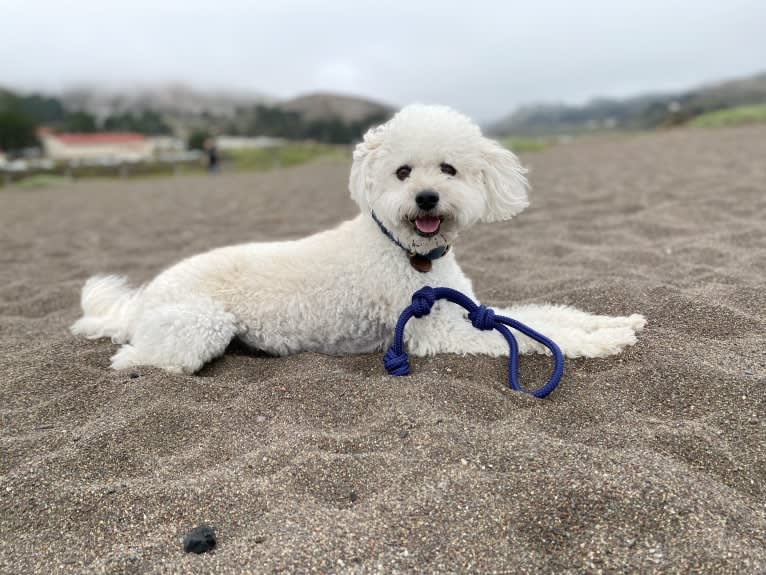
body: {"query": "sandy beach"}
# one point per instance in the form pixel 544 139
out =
pixel 653 461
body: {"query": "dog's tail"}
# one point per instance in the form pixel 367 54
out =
pixel 109 308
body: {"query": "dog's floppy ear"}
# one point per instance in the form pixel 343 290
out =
pixel 360 182
pixel 504 182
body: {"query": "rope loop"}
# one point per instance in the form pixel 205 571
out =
pixel 482 317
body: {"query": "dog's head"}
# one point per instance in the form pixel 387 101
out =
pixel 428 173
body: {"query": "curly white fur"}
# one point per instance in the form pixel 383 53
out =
pixel 340 291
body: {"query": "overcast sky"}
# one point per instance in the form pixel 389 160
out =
pixel 483 57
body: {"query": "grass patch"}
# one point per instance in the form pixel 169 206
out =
pixel 521 145
pixel 62 174
pixel 285 156
pixel 731 117
pixel 41 181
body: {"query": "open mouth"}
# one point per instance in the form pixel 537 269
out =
pixel 427 225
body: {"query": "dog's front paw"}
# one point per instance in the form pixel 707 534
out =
pixel 608 339
pixel 636 321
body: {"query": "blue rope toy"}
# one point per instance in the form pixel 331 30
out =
pixel 397 363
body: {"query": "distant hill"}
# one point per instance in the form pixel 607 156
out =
pixel 187 110
pixel 180 100
pixel 647 111
pixel 326 105
pixel 739 92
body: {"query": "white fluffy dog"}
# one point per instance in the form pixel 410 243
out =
pixel 419 180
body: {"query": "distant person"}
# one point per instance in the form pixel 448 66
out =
pixel 212 155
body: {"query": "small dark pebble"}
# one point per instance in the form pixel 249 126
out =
pixel 111 491
pixel 353 496
pixel 404 434
pixel 134 375
pixel 260 539
pixel 200 539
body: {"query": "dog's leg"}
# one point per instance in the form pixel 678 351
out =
pixel 577 333
pixel 179 337
pixel 447 330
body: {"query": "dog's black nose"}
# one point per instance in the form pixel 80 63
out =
pixel 426 199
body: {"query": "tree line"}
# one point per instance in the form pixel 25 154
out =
pixel 274 122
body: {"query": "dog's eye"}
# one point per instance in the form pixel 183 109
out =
pixel 403 172
pixel 448 169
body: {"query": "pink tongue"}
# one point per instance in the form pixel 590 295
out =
pixel 427 224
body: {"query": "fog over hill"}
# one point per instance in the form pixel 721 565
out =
pixel 186 100
pixel 640 112
pixel 171 98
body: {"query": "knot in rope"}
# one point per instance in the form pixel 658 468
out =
pixel 422 301
pixel 482 318
pixel 396 363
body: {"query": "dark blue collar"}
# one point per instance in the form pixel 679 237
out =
pixel 434 254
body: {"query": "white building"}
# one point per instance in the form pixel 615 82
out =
pixel 244 143
pixel 167 145
pixel 121 146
